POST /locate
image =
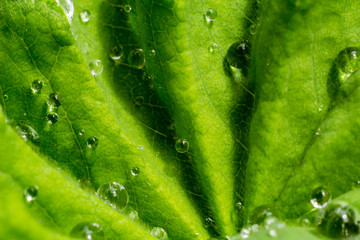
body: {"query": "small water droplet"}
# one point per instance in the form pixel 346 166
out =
pixel 81 132
pixel 318 132
pixel 210 16
pixel 92 142
pixel 340 221
pixel 117 52
pixel 52 118
pixel 139 100
pixel 152 53
pixel 182 145
pixel 114 194
pixel 245 233
pixel 68 7
pixel 27 133
pixel 320 108
pixel 127 8
pixel 54 101
pixel 37 85
pixel 209 222
pixel 85 16
pixel 137 58
pixel 239 207
pixel 134 215
pixel 320 197
pixel 30 194
pixel 88 231
pixel 6 97
pixel 135 171
pixel 96 67
pixel 159 233
pixel 260 214
pixel 252 29
pixel 148 77
pixel 213 47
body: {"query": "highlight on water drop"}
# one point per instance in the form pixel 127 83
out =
pixel 136 58
pixel 135 171
pixel 116 53
pixel 54 101
pixel 320 197
pixel 68 7
pixel 210 16
pixel 88 230
pixel 114 194
pixel 85 16
pixel 213 47
pixel 52 118
pixel 37 85
pixel 92 142
pixel 96 67
pixel 159 233
pixel 30 194
pixel 27 133
pixel 182 145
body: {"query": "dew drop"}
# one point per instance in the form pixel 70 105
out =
pixel 54 101
pixel 96 67
pixel 318 132
pixel 134 215
pixel 182 145
pixel 127 8
pixel 252 29
pixel 116 53
pixel 52 118
pixel 320 197
pixel 92 142
pixel 68 7
pixel 30 194
pixel 81 132
pixel 88 231
pixel 260 214
pixel 213 47
pixel 27 133
pixel 137 58
pixel 85 16
pixel 339 221
pixel 37 85
pixel 210 16
pixel 114 194
pixel 159 233
pixel 6 97
pixel 239 207
pixel 148 77
pixel 209 222
pixel 152 53
pixel 245 233
pixel 135 171
pixel 238 55
pixel 348 60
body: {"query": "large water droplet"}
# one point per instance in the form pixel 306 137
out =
pixel 339 221
pixel 260 214
pixel 320 197
pixel 135 171
pixel 182 145
pixel 54 101
pixel 52 118
pixel 159 233
pixel 92 142
pixel 88 231
pixel 114 194
pixel 127 8
pixel 27 133
pixel 37 85
pixel 116 53
pixel 30 194
pixel 68 7
pixel 238 55
pixel 85 16
pixel 348 60
pixel 137 58
pixel 210 16
pixel 96 67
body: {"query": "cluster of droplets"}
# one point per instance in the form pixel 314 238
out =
pixel 54 102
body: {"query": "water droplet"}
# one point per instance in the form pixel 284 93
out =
pixel 318 132
pixel 272 233
pixel 148 77
pixel 54 101
pixel 85 16
pixel 213 47
pixel 320 108
pixel 304 221
pixel 68 7
pixel 30 194
pixel 209 222
pixel 92 142
pixel 239 207
pixel 238 55
pixel 6 97
pixel 339 221
pixel 137 58
pixel 96 67
pixel 37 85
pixel 139 100
pixel 320 197
pixel 348 60
pixel 252 29
pixel 210 16
pixel 260 214
pixel 135 171
pixel 81 132
pixel 182 145
pixel 152 53
pixel 114 194
pixel 88 231
pixel 134 215
pixel 27 132
pixel 127 8
pixel 116 53
pixel 159 233
pixel 245 233
pixel 52 118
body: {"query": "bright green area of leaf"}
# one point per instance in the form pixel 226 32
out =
pixel 60 203
pixel 36 43
pixel 291 67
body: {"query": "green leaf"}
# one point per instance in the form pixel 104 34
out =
pixel 300 135
pixel 21 168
